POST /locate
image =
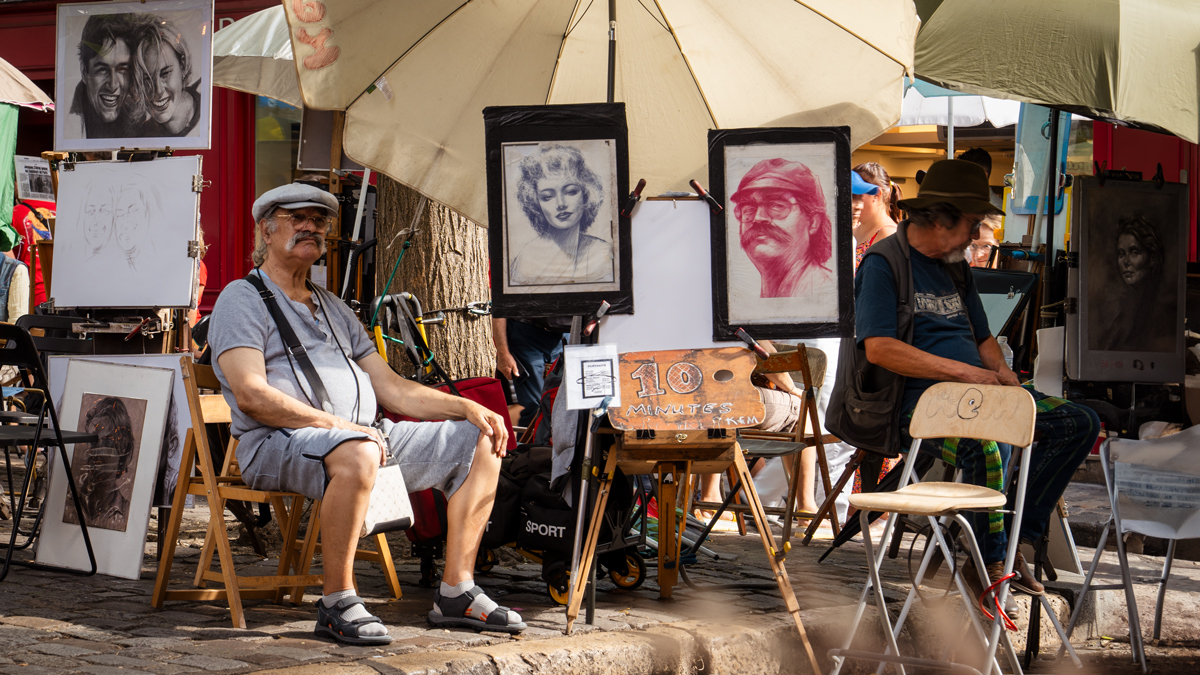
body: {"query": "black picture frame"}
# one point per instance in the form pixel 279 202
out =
pixel 734 305
pixel 591 129
pixel 1127 330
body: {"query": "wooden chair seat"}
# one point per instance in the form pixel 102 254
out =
pixel 930 499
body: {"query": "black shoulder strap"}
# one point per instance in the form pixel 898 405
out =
pixel 292 344
pixel 894 249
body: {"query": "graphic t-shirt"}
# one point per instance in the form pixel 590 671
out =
pixel 940 322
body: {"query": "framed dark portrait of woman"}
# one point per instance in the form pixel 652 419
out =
pixel 557 241
pixel 1131 241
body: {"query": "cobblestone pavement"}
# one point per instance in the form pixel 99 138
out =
pixel 51 622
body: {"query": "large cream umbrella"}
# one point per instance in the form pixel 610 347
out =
pixel 1131 61
pixel 17 89
pixel 413 77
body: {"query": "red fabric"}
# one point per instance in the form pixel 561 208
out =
pixel 486 391
pixel 24 222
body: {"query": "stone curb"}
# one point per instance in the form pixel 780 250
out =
pixel 762 644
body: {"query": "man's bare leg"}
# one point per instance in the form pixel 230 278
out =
pixel 467 513
pixel 351 468
pixel 808 473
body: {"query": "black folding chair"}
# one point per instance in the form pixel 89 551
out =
pixel 17 349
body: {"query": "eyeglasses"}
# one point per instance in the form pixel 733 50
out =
pixel 981 250
pixel 776 208
pixel 297 219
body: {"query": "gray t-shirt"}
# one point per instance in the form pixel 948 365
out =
pixel 241 319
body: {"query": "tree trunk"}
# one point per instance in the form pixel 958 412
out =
pixel 446 267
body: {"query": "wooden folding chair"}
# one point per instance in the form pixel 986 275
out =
pixel 226 484
pixel 808 364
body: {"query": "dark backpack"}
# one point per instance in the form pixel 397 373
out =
pixel 864 406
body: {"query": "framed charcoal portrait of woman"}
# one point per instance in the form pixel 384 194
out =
pixel 556 177
pixel 134 75
pixel 1130 239
pixel 781 248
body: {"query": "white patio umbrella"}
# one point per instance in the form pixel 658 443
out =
pixel 254 55
pixel 414 77
pixel 17 89
pixel 925 103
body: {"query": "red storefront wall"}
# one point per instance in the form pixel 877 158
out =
pixel 27 34
pixel 1124 148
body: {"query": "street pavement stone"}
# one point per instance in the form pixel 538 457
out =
pixel 50 622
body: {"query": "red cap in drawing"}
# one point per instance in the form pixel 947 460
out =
pixel 780 174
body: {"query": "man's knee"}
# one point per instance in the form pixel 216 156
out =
pixel 486 458
pixel 354 462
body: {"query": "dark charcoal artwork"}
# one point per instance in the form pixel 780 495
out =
pixel 105 470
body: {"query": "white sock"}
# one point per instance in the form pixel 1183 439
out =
pixel 481 606
pixel 355 612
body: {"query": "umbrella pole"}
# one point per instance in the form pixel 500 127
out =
pixel 1049 202
pixel 612 51
pixel 949 127
pixel 358 218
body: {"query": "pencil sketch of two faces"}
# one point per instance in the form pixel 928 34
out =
pixel 137 80
pixel 115 221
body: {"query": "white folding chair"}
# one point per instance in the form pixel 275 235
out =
pixel 947 410
pixel 1154 489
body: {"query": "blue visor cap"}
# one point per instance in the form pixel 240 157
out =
pixel 858 186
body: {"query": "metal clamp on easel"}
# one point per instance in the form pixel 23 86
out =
pixel 686 394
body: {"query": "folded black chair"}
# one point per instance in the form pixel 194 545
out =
pixel 17 349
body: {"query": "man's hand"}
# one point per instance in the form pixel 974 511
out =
pixel 973 375
pixel 506 364
pixel 489 423
pixel 1008 378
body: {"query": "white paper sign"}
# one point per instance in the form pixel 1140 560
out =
pixel 33 179
pixel 591 376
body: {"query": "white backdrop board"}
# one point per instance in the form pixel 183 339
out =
pixel 672 266
pixel 123 233
pixel 179 418
pixel 115 476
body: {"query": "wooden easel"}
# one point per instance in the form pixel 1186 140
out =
pixel 676 410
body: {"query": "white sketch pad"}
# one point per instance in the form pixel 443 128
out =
pixel 118 554
pixel 672 281
pixel 590 375
pixel 123 232
pixel 56 379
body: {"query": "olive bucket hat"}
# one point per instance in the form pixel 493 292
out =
pixel 956 182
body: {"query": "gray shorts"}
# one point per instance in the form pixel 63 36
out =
pixel 430 455
pixel 782 410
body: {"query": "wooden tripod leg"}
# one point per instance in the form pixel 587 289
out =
pixel 831 496
pixel 768 541
pixel 741 517
pixel 668 541
pixel 579 581
pixel 171 538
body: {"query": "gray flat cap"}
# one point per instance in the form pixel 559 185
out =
pixel 293 196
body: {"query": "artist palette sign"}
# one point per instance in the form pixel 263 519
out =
pixel 687 389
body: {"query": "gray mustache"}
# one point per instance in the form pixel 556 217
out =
pixel 302 236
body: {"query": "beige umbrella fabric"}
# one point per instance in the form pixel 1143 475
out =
pixel 17 89
pixel 1134 61
pixel 415 76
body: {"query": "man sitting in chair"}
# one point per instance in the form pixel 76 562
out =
pixel 951 342
pixel 287 442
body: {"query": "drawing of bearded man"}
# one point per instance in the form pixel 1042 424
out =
pixel 784 227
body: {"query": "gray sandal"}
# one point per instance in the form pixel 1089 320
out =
pixel 331 624
pixel 452 613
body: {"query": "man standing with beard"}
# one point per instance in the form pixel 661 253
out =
pixel 100 105
pixel 784 227
pixel 951 343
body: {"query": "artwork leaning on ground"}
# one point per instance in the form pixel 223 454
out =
pixel 126 407
pixel 781 247
pixel 558 243
pixel 133 75
pixel 123 234
pixel 1128 288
